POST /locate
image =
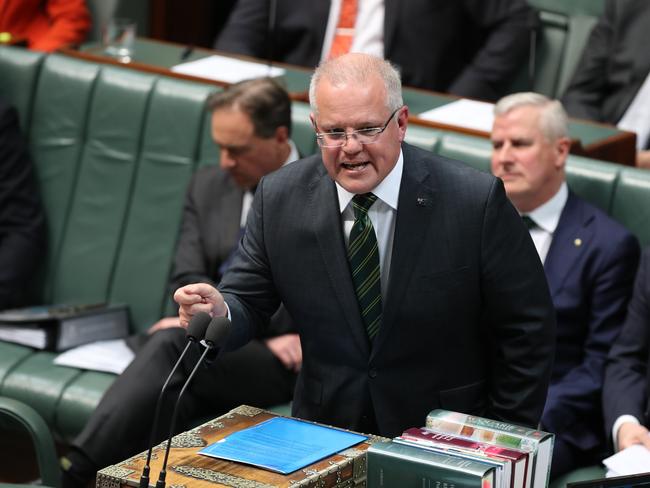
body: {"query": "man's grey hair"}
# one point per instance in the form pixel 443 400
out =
pixel 554 122
pixel 358 68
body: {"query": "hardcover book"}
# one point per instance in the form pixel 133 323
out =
pixel 517 472
pixel 392 464
pixel 60 327
pixel 538 443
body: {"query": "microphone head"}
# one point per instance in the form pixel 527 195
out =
pixel 218 331
pixel 198 326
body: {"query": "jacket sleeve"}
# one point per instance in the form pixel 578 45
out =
pixel 22 220
pixel 507 25
pixel 627 370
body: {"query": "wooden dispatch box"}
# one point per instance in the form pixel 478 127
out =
pixel 186 468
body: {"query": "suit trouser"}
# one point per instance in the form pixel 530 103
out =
pixel 120 426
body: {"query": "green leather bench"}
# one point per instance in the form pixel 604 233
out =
pixel 114 149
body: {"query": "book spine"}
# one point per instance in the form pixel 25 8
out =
pixel 398 468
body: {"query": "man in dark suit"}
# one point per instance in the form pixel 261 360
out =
pixel 447 305
pixel 471 48
pixel 626 392
pixel 613 67
pixel 251 123
pixel 589 260
pixel 22 221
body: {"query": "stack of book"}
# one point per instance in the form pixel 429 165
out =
pixel 459 450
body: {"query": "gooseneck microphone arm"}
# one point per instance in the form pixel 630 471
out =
pixel 218 331
pixel 195 332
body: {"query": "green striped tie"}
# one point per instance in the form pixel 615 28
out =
pixel 363 254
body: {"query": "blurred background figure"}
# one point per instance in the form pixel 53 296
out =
pixel 22 222
pixel 612 81
pixel 470 48
pixel 45 25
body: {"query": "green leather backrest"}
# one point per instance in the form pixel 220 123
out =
pixel 19 69
pixel 472 150
pixel 549 52
pixel 423 137
pixel 592 180
pixel 631 202
pixel 579 29
pixel 302 132
pixel 56 136
pixel 105 179
pixel 168 156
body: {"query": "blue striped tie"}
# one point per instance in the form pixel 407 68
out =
pixel 363 254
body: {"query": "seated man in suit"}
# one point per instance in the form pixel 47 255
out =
pixel 589 259
pixel 412 281
pixel 612 80
pixel 466 47
pixel 626 392
pixel 22 221
pixel 251 123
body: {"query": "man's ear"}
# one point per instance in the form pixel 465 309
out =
pixel 402 122
pixel 282 134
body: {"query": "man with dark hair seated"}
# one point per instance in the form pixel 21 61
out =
pixel 251 124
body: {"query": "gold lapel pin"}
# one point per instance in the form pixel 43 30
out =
pixel 577 242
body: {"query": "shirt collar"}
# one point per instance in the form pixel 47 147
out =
pixel 387 191
pixel 294 155
pixel 547 215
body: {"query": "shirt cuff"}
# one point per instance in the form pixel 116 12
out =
pixel 617 425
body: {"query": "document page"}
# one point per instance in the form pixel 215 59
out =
pixel 282 445
pixel 463 113
pixel 633 460
pixel 110 356
pixel 229 70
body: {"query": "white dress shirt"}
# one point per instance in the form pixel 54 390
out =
pixel 382 215
pixel 547 216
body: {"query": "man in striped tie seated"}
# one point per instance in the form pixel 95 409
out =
pixel 589 259
pixel 412 281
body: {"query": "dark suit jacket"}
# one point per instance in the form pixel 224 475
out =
pixel 614 64
pixel 627 374
pixel 468 47
pixel 467 325
pixel 590 283
pixel 209 233
pixel 22 221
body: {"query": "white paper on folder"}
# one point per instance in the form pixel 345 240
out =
pixel 632 460
pixel 463 113
pixel 111 356
pixel 229 70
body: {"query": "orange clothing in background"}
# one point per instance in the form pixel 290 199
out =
pixel 47 25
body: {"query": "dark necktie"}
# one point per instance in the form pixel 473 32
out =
pixel 528 222
pixel 363 254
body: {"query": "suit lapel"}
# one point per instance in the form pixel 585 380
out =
pixel 326 221
pixel 415 208
pixel 570 239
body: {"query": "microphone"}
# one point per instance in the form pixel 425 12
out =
pixel 215 336
pixel 195 332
